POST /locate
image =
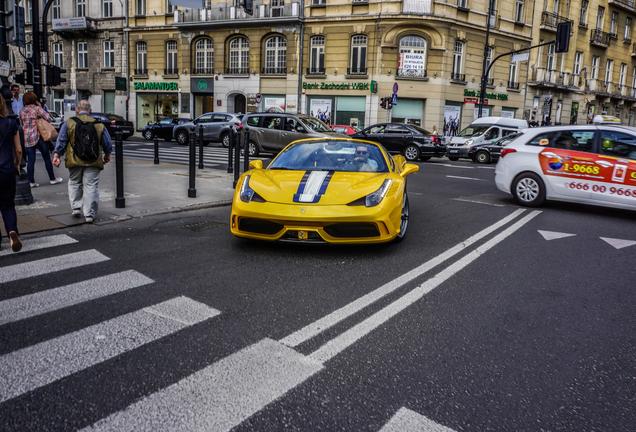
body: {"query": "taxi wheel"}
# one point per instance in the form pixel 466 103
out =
pixel 528 189
pixel 404 222
pixel 411 153
pixel 482 157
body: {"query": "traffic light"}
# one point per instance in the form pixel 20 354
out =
pixel 383 103
pixel 54 75
pixel 563 36
pixel 248 6
pixel 14 24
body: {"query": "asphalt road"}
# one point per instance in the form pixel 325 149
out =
pixel 476 322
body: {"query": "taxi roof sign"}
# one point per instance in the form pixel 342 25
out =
pixel 606 119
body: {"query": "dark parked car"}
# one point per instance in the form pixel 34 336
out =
pixel 487 153
pixel 115 123
pixel 216 128
pixel 412 141
pixel 163 128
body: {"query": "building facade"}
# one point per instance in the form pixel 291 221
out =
pixel 597 75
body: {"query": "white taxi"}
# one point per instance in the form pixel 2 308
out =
pixel 591 164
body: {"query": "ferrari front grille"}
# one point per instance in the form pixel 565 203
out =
pixel 259 226
pixel 352 229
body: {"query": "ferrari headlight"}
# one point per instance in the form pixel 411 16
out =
pixel 376 197
pixel 246 193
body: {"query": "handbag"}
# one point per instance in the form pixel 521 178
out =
pixel 46 130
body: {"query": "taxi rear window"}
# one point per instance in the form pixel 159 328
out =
pixel 578 140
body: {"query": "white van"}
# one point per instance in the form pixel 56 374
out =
pixel 483 131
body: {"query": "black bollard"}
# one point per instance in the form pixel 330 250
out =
pixel 230 150
pixel 246 150
pixel 237 158
pixel 192 191
pixel 120 201
pixel 156 151
pixel 201 147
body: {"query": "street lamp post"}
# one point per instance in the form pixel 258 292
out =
pixel 485 66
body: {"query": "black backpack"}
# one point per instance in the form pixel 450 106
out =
pixel 86 140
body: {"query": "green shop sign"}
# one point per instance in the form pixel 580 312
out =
pixel 336 86
pixel 157 86
pixel 491 96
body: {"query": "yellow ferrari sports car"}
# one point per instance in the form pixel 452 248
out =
pixel 333 190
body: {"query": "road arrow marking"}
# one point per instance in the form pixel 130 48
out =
pixel 553 235
pixel 618 243
pixel 406 420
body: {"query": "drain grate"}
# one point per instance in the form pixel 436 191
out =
pixel 204 225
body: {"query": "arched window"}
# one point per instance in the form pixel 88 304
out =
pixel 203 56
pixel 317 55
pixel 275 55
pixel 358 64
pixel 239 56
pixel 412 61
pixel 142 58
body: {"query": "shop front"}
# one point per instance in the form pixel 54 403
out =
pixel 202 90
pixel 339 103
pixel 155 100
pixel 409 111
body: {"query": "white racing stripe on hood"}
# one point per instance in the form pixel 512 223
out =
pixel 312 187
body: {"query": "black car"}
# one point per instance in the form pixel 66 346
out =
pixel 163 128
pixel 115 123
pixel 412 141
pixel 488 153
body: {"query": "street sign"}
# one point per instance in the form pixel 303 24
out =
pixel 395 88
pixel 394 101
pixel 520 57
pixel 474 100
pixel 5 68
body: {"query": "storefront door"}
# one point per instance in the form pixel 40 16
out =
pixel 409 111
pixel 239 104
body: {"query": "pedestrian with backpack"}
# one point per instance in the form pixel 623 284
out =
pixel 87 146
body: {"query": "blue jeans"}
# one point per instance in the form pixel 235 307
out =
pixel 46 155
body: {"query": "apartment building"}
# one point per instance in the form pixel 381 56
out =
pixel 597 75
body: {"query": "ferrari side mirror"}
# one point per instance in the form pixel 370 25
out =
pixel 409 169
pixel 256 164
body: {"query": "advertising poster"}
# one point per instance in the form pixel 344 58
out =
pixel 412 64
pixel 274 104
pixel 452 120
pixel 320 109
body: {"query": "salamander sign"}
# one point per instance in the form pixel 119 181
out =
pixel 156 86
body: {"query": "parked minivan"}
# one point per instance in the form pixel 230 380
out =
pixel 271 132
pixel 485 130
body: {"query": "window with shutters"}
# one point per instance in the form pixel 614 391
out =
pixel 238 56
pixel 275 55
pixel 80 8
pixel 171 58
pixel 58 54
pixel 412 59
pixel 358 61
pixel 142 58
pixel 56 10
pixel 458 61
pixel 107 8
pixel 277 7
pixel 203 56
pixel 317 55
pixel 109 54
pixel 82 55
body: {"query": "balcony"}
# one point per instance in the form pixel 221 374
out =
pixel 416 74
pixel 626 5
pixel 141 72
pixel 202 70
pixel 74 27
pixel 550 20
pixel 315 71
pixel 274 70
pixel 172 71
pixel 458 78
pixel 229 15
pixel 417 7
pixel 599 87
pixel 543 77
pixel 599 38
pixel 242 71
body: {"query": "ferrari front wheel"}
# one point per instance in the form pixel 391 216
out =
pixel 404 219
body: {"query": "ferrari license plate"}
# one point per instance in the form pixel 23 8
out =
pixel 303 235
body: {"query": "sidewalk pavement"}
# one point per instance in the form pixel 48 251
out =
pixel 148 189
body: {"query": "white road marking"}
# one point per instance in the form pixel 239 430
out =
pixel 355 333
pixel 33 244
pixel 464 178
pixel 451 166
pixel 478 202
pixel 48 265
pixel 486 167
pixel 618 243
pixel 219 397
pixel 30 368
pixel 28 306
pixel 406 420
pixel 553 235
pixel 357 305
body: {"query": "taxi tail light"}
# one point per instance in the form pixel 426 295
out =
pixel 507 151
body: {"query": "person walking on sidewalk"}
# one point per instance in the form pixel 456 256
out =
pixel 29 116
pixel 10 155
pixel 87 146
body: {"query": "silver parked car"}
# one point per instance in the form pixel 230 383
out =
pixel 271 132
pixel 56 120
pixel 216 128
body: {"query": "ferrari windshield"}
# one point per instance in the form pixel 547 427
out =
pixel 331 155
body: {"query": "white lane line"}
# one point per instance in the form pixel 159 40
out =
pixel 41 243
pixel 48 265
pixel 219 397
pixel 486 167
pixel 478 202
pixel 618 243
pixel 355 333
pixel 450 166
pixel 464 178
pixel 553 235
pixel 406 420
pixel 357 305
pixel 41 364
pixel 28 306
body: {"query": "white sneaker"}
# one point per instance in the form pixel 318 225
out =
pixel 89 219
pixel 56 181
pixel 76 213
pixel 34 185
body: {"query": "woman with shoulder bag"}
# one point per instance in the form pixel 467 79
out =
pixel 10 156
pixel 30 115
